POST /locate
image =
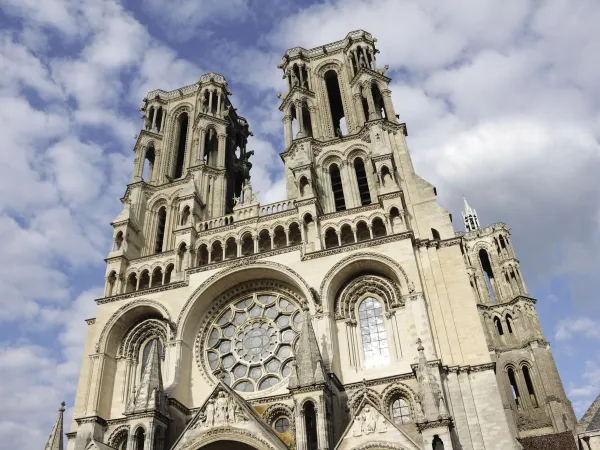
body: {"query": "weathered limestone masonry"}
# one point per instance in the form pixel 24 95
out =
pixel 350 315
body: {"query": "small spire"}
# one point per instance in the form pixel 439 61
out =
pixel 150 395
pixel 308 369
pixel 470 217
pixel 55 441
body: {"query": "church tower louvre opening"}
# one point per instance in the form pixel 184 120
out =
pixel 348 315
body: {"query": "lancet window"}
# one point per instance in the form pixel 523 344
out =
pixel 160 229
pixel 362 181
pixel 182 129
pixel 374 338
pixel 337 188
pixel 336 105
pixel 400 411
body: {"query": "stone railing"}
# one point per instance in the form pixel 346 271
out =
pixel 277 207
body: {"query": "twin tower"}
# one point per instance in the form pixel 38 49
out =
pixel 348 315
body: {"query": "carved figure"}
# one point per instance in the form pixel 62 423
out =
pixel 383 70
pixel 358 426
pixel 361 60
pixel 369 420
pixel 221 409
pixel 411 287
pixel 210 414
pixel 442 406
pixel 295 81
pixel 231 411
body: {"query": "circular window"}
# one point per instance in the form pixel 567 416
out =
pixel 281 425
pixel 251 340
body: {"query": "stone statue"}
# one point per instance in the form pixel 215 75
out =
pixel 210 414
pixel 382 425
pixel 357 431
pixel 411 287
pixel 295 81
pixel 280 96
pixel 419 408
pixel 231 407
pixel 221 409
pixel 369 420
pixel 442 406
pixel 383 70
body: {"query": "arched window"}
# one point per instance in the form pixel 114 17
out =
pixel 378 102
pixel 168 273
pixel 148 164
pixel 111 283
pixel 144 280
pixel 159 117
pixel 160 229
pixel 118 241
pixel 120 442
pixel 157 277
pixel 185 215
pixel 362 231
pixel 140 437
pixel 509 323
pixel 202 255
pixel 346 235
pixel 279 238
pixel 513 386
pixel 181 255
pixel 334 94
pixel 304 187
pixel 211 148
pixel 310 425
pixel 295 235
pixel 247 244
pixel 400 411
pixel 230 248
pixel 264 241
pixel 386 176
pixel 378 228
pixel 306 120
pixel 216 253
pixel 498 324
pixel 331 238
pixel 337 188
pixel 182 129
pixel 363 183
pixel 437 443
pixel 488 272
pixel 435 233
pixel 374 338
pixel 131 283
pixel 529 384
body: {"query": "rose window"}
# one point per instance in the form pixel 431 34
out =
pixel 250 344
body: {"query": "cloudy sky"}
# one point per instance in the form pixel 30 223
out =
pixel 501 102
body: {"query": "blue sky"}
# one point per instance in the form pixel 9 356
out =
pixel 501 102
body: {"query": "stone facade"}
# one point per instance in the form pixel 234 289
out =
pixel 350 315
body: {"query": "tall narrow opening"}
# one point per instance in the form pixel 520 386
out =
pixel 498 324
pixel 509 323
pixel 112 281
pixel 160 229
pixel 168 273
pixel 529 384
pixel 488 272
pixel 336 187
pixel 437 443
pixel 144 280
pixel 378 101
pixel 159 118
pixel 363 183
pixel 131 283
pixel 310 419
pixel 181 141
pixel 294 234
pixel 211 148
pixel 148 164
pixel 331 238
pixel 336 105
pixel 202 255
pixel 140 437
pixel 306 120
pixel 435 233
pixel 247 244
pixel 514 388
pixel 157 277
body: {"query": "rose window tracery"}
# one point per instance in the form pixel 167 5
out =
pixel 250 344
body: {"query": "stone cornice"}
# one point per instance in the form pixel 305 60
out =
pixel 91 321
pixel 391 195
pixel 470 369
pixel 91 419
pixel 328 49
pixel 380 381
pixel 288 98
pixel 369 72
pixel 348 212
pixel 442 423
pixel 164 287
pixel 289 212
pixel 542 342
pixel 514 301
pixel 152 257
pixel 357 246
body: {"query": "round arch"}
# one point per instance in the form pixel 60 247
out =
pixel 124 318
pixel 356 264
pixel 231 439
pixel 246 271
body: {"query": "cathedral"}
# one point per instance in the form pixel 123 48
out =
pixel 350 315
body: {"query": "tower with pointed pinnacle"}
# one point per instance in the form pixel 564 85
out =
pixel 227 323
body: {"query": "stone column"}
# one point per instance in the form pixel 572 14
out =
pixel 154 114
pixel 369 95
pixel 255 244
pixel 149 441
pixel 301 132
pixel 287 128
pixel 372 53
pixel 300 67
pixel 202 139
pixel 360 113
pixel 356 61
pixel 221 151
pixel 389 106
pixel 219 104
pixel 300 429
pixel 314 122
pixel 210 97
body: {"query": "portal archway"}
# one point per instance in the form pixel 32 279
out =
pixel 227 445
